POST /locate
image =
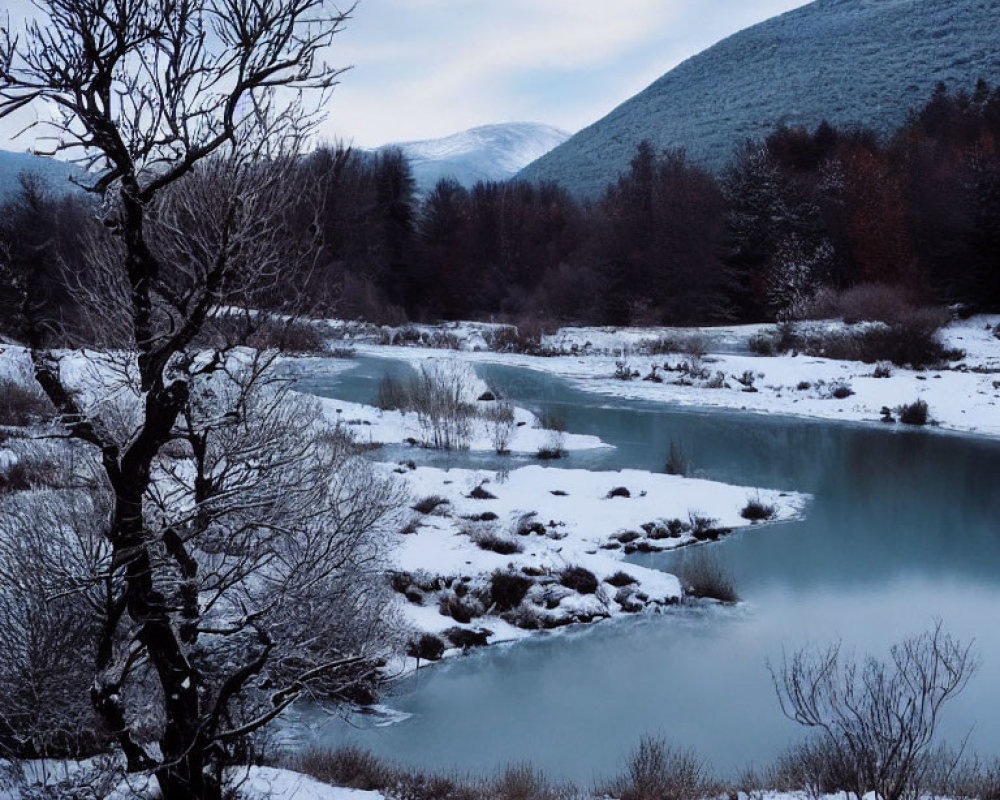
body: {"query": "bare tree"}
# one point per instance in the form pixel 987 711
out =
pixel 876 719
pixel 220 576
pixel 267 534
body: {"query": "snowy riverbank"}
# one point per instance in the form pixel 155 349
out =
pixel 964 397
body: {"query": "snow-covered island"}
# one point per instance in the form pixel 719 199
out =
pixel 490 557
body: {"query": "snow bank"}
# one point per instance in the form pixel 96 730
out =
pixel 371 425
pixel 538 523
pixel 267 783
pixel 67 779
pixel 965 397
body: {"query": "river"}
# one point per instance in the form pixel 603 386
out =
pixel 904 529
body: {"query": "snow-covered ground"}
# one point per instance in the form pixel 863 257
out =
pixel 38 779
pixel 487 429
pixel 96 778
pixel 371 425
pixel 540 523
pixel 965 397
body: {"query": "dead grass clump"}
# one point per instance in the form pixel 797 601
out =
pixel 429 504
pixel 703 577
pixel 621 579
pixel 757 511
pixel 23 403
pixel 495 543
pixel 914 413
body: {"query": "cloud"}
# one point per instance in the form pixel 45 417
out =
pixel 427 68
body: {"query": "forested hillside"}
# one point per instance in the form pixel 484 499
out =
pixel 865 62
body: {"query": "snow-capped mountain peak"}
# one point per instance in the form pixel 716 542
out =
pixel 489 152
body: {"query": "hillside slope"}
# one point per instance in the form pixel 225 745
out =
pixel 490 152
pixel 847 61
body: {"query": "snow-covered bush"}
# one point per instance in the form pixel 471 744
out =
pixel 271 533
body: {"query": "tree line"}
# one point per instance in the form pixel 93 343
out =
pixel 791 217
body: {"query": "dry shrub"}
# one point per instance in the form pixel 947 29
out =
pixel 428 647
pixel 361 299
pixel 349 767
pixel 875 302
pixel 781 339
pixel 662 345
pixel 813 766
pixel 290 336
pixel 525 782
pixel 525 336
pixel 964 778
pixel 913 413
pixel 550 452
pixel 294 336
pixel 756 511
pixel 913 342
pixel 499 416
pixel 460 610
pixel 703 528
pixel 658 771
pixel 678 460
pixel 466 638
pixel 431 786
pixel 702 576
pixel 479 493
pixel 579 579
pixel 508 589
pixel 392 394
pixel 31 471
pixel 621 579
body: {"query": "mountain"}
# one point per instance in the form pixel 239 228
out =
pixel 846 61
pixel 13 164
pixel 490 152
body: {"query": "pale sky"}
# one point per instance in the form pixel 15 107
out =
pixel 428 68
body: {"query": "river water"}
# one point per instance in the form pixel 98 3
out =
pixel 904 529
